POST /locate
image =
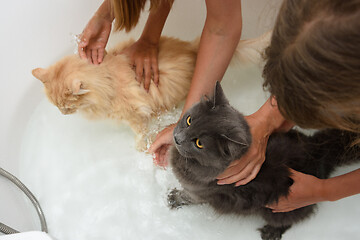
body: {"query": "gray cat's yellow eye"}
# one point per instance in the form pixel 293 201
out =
pixel 198 143
pixel 188 120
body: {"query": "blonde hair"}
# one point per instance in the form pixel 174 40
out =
pixel 313 63
pixel 127 12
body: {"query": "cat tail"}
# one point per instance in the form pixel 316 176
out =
pixel 332 148
pixel 247 51
pixel 251 50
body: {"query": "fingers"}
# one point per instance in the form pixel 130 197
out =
pixel 156 157
pixel 139 71
pixel 158 143
pixel 234 168
pixel 163 156
pixel 81 51
pixel 101 52
pixel 81 46
pixel 242 171
pixel 160 157
pixel 163 138
pixel 147 71
pixel 94 56
pixel 250 177
pixel 280 206
pixel 88 55
pixel 239 175
pixel 283 210
pixel 155 69
pixel 162 153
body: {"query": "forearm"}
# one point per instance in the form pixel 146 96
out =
pixel 104 11
pixel 269 119
pixel 219 39
pixel 155 23
pixel 341 186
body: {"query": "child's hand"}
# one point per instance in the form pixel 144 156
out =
pixel 262 123
pixel 144 57
pixel 94 38
pixel 161 145
pixel 245 169
pixel 306 190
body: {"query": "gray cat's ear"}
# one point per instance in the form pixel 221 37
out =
pixel 235 147
pixel 234 141
pixel 219 96
pixel 40 73
pixel 77 88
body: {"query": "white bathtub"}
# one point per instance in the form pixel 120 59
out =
pixel 36 33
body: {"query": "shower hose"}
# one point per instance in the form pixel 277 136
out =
pixel 8 230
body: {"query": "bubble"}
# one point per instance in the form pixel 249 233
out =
pixel 75 39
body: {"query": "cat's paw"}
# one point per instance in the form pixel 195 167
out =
pixel 272 233
pixel 176 200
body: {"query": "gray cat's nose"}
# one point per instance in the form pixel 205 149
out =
pixel 176 140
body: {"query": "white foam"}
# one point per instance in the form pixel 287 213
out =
pixel 93 184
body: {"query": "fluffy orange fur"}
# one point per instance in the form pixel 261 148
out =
pixel 110 90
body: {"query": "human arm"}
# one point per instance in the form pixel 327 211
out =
pixel 95 36
pixel 143 53
pixel 307 190
pixel 263 122
pixel 219 39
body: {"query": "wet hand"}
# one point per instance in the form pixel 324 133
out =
pixel 306 190
pixel 144 57
pixel 93 39
pixel 161 145
pixel 262 123
pixel 245 169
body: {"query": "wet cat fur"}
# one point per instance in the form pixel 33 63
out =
pixel 224 136
pixel 110 90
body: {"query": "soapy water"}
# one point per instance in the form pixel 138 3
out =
pixel 75 39
pixel 160 121
pixel 93 184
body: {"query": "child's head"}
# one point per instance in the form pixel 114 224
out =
pixel 313 63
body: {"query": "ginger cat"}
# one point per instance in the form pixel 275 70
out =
pixel 110 90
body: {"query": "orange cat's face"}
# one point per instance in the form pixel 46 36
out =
pixel 62 86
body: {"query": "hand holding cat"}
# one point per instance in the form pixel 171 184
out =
pixel 144 57
pixel 94 38
pixel 244 170
pixel 161 145
pixel 306 190
pixel 262 123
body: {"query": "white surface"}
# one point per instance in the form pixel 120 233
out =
pixel 27 236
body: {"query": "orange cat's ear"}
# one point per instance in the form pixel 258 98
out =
pixel 78 88
pixel 40 74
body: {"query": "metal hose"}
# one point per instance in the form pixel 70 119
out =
pixel 8 230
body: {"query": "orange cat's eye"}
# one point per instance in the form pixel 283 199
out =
pixel 188 120
pixel 198 143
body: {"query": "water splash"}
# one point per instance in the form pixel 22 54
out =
pixel 161 121
pixel 75 39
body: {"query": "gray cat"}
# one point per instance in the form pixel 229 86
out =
pixel 212 134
